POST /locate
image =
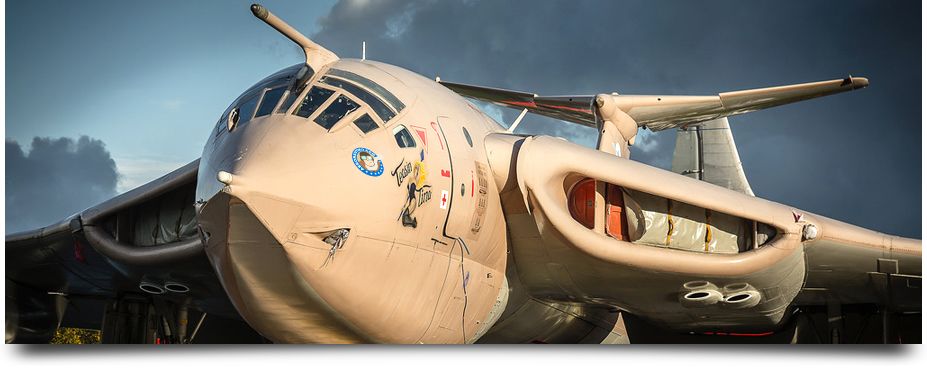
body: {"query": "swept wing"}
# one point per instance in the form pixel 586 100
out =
pixel 660 112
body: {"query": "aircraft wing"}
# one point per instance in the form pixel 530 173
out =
pixel 683 254
pixel 143 238
pixel 660 112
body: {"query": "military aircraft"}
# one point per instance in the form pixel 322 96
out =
pixel 351 201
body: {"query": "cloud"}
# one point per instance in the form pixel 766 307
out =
pixel 493 111
pixel 646 141
pixel 134 172
pixel 397 25
pixel 54 179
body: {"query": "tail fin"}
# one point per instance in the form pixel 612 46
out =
pixel 706 151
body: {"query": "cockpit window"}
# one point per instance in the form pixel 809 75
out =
pixel 365 123
pixel 379 107
pixel 313 100
pixel 270 101
pixel 403 137
pixel 273 88
pixel 233 119
pixel 243 113
pixel 285 75
pixel 370 85
pixel 288 101
pixel 336 111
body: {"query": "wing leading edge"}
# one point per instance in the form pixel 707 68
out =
pixel 660 112
pixel 109 252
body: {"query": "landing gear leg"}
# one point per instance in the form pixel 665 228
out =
pixel 129 321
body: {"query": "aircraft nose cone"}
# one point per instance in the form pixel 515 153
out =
pixel 229 151
pixel 273 212
pixel 280 166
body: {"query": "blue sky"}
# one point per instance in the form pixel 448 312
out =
pixel 146 78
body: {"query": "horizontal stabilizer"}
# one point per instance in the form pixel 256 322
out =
pixel 660 112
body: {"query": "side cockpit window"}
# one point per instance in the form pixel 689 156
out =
pixel 261 98
pixel 403 137
pixel 288 101
pixel 243 112
pixel 271 97
pixel 246 110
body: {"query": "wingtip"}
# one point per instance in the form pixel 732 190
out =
pixel 860 82
pixel 855 82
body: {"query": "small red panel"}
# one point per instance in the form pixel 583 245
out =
pixel 617 224
pixel 582 202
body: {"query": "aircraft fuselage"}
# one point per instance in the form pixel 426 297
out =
pixel 376 205
pixel 423 259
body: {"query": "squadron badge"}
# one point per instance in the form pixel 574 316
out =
pixel 367 162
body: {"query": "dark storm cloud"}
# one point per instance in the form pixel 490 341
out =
pixel 854 157
pixel 56 178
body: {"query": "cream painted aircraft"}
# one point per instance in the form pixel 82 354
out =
pixel 351 201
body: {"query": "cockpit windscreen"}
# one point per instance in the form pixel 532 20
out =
pixel 336 111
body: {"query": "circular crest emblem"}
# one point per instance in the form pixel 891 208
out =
pixel 367 162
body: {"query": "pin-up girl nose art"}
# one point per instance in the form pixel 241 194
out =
pixel 367 162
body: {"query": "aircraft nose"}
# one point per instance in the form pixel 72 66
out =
pixel 267 161
pixel 269 212
pixel 254 259
pixel 271 153
pixel 227 150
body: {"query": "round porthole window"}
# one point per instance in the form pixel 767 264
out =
pixel 467 136
pixel 233 118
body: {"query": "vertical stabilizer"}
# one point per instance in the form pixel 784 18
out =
pixel 706 152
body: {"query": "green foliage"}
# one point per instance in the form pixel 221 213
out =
pixel 67 335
